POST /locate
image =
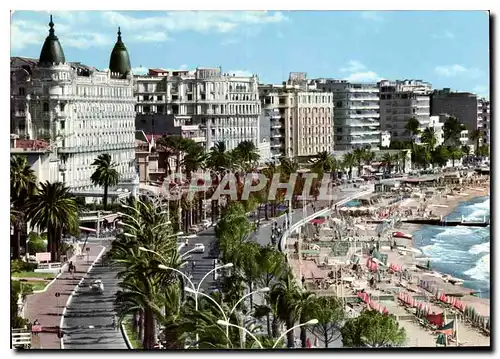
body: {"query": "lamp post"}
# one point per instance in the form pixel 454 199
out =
pixel 261 290
pixel 310 322
pixel 227 324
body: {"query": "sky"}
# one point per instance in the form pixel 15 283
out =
pixel 445 48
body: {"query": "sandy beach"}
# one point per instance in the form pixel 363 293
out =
pixel 318 266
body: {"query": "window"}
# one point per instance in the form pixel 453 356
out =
pixel 147 109
pixel 61 107
pixel 160 98
pixel 21 91
pixel 45 107
pixel 63 125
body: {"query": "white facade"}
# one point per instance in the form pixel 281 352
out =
pixel 206 105
pixel 82 113
pixel 434 122
pixel 385 139
pixel 302 124
pixel 264 149
pixel 400 101
pixel 356 113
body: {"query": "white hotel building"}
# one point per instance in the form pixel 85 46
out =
pixel 301 117
pixel 356 113
pixel 80 111
pixel 206 105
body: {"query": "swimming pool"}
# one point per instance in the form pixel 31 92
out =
pixel 353 203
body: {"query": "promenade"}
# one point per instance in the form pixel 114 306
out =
pixel 47 308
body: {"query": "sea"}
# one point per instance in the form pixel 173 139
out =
pixel 462 252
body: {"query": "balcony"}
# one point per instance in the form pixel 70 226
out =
pixel 363 98
pixel 189 127
pixel 198 139
pixel 276 134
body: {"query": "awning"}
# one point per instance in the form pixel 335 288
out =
pixel 86 229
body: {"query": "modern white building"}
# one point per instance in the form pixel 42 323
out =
pixel 206 105
pixel 301 117
pixel 80 111
pixel 400 101
pixel 356 113
pixel 437 125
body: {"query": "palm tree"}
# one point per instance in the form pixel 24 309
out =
pixel 219 161
pixel 174 146
pixel 55 210
pixel 452 129
pixel 429 137
pixel 194 159
pixel 349 162
pixel 324 162
pixel 285 295
pixel 477 135
pixel 402 158
pixel 413 127
pixel 359 155
pixel 388 160
pixel 439 156
pixel 22 187
pixel 455 153
pixel 105 175
pixel 248 153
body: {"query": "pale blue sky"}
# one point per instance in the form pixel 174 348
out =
pixel 446 48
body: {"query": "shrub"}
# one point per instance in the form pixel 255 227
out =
pixel 21 266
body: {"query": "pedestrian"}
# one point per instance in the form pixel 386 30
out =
pixel 193 264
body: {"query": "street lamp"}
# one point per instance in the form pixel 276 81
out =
pixel 311 322
pixel 227 325
pixel 196 293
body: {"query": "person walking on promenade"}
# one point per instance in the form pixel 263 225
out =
pixel 72 269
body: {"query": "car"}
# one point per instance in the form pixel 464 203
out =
pixel 199 248
pixel 206 223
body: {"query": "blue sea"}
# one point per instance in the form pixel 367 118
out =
pixel 462 252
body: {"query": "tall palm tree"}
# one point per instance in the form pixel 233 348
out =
pixel 22 187
pixel 413 127
pixel 452 128
pixel 174 146
pixel 455 153
pixel 248 153
pixel 286 295
pixel 477 135
pixel 219 161
pixel 402 158
pixel 53 209
pixel 194 159
pixel 429 137
pixel 359 155
pixel 388 160
pixel 349 161
pixel 105 175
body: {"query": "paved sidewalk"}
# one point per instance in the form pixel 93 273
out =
pixel 48 309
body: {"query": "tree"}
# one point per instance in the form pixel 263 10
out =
pixel 330 314
pixel 465 150
pixel 429 137
pixel 413 127
pixel 54 209
pixel 22 187
pixel 348 162
pixel 194 159
pixel 388 160
pixel 285 295
pixel 402 159
pixel 455 153
pixel 248 153
pixel 324 162
pixel 359 156
pixel 372 329
pixel 477 135
pixel 440 156
pixel 105 175
pixel 452 128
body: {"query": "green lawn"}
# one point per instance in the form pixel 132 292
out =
pixel 35 285
pixel 33 275
pixel 132 335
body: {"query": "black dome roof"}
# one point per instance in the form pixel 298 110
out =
pixel 119 61
pixel 52 52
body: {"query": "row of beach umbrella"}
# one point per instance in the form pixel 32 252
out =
pixel 422 307
pixel 365 297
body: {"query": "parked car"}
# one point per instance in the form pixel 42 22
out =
pixel 199 248
pixel 206 223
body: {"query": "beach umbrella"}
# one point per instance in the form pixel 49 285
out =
pixel 308 343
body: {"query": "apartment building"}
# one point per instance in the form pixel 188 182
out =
pixel 357 113
pixel 437 123
pixel 462 105
pixel 79 111
pixel 400 101
pixel 206 105
pixel 301 117
pixel 483 119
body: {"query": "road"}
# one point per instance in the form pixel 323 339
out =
pixel 88 323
